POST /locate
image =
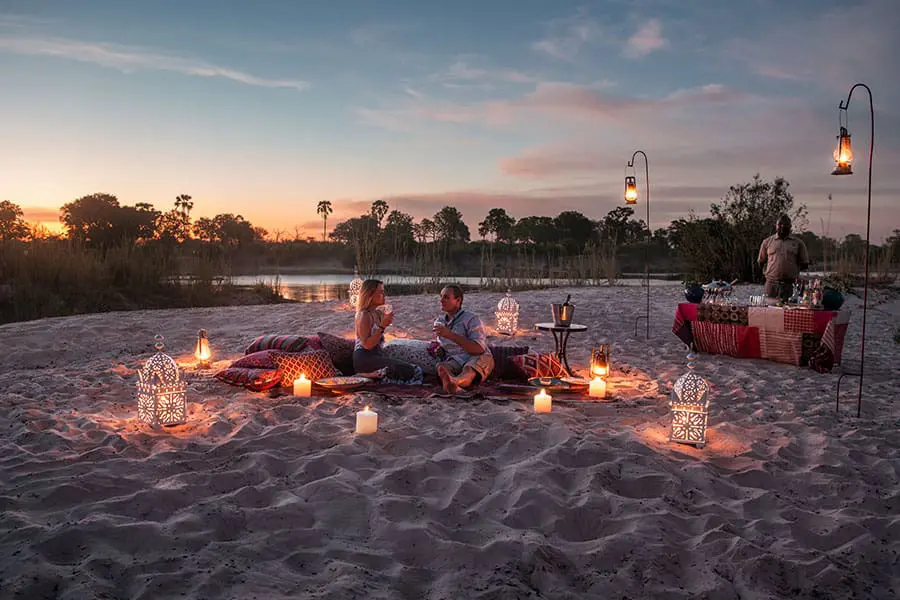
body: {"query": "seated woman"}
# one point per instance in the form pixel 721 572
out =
pixel 368 359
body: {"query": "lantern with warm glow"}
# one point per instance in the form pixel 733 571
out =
pixel 689 402
pixel 355 288
pixel 161 394
pixel 843 154
pixel 201 351
pixel 600 361
pixel 630 190
pixel 507 315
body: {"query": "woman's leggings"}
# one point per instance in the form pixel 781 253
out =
pixel 366 361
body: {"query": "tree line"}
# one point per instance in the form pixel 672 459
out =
pixel 722 245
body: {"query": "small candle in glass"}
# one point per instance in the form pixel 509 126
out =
pixel 597 388
pixel 366 421
pixel 543 402
pixel 302 386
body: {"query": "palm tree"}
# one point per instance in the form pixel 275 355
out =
pixel 324 209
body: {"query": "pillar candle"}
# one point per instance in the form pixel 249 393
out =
pixel 302 386
pixel 366 421
pixel 542 402
pixel 597 388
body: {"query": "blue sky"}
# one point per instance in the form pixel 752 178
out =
pixel 265 108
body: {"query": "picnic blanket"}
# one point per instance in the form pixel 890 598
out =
pixel 790 335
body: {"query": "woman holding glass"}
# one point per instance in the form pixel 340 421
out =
pixel 373 317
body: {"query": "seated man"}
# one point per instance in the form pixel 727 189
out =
pixel 462 337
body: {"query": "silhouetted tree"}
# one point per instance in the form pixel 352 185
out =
pixel 324 209
pixel 12 222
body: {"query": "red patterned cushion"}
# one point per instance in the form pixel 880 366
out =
pixel 252 379
pixel 504 368
pixel 258 360
pixel 341 351
pixel 315 365
pixel 533 364
pixel 285 343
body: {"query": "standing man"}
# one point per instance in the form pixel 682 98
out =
pixel 461 335
pixel 785 256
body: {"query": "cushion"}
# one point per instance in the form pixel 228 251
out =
pixel 412 351
pixel 340 350
pixel 315 365
pixel 504 368
pixel 258 360
pixel 534 364
pixel 285 343
pixel 252 379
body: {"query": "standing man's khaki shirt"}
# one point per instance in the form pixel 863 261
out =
pixel 783 257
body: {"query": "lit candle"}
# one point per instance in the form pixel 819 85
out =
pixel 366 421
pixel 597 388
pixel 302 386
pixel 542 401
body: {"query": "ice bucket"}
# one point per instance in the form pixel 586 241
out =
pixel 562 314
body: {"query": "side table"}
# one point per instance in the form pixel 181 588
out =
pixel 561 339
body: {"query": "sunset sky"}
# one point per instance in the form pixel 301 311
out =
pixel 535 106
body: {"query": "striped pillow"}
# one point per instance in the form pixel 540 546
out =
pixel 284 343
pixel 538 365
pixel 504 368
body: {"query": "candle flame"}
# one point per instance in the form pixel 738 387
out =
pixel 302 377
pixel 366 409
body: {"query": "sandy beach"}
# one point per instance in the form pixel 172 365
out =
pixel 276 497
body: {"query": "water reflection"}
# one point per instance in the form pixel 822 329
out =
pixel 321 288
pixel 313 293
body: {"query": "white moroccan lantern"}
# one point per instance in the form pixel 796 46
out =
pixel 507 315
pixel 689 402
pixel 355 288
pixel 161 395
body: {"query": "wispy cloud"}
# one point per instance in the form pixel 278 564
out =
pixel 129 59
pixel 567 36
pixel 831 48
pixel 645 40
pixel 552 100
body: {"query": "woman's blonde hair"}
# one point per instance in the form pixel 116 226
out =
pixel 369 287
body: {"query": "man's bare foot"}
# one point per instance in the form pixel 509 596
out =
pixel 444 374
pixel 452 386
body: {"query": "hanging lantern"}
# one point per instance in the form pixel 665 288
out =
pixel 161 394
pixel 843 154
pixel 507 315
pixel 201 351
pixel 689 402
pixel 355 288
pixel 600 361
pixel 630 190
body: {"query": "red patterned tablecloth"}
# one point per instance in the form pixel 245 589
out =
pixel 790 335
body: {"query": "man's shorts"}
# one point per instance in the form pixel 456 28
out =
pixel 482 364
pixel 782 289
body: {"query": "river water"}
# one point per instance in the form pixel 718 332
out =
pixel 318 288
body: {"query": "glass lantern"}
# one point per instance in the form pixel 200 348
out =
pixel 843 154
pixel 600 361
pixel 631 193
pixel 201 350
pixel 161 394
pixel 507 315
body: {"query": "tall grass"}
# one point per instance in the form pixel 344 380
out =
pixel 47 278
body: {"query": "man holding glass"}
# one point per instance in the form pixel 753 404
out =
pixel 784 255
pixel 462 337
